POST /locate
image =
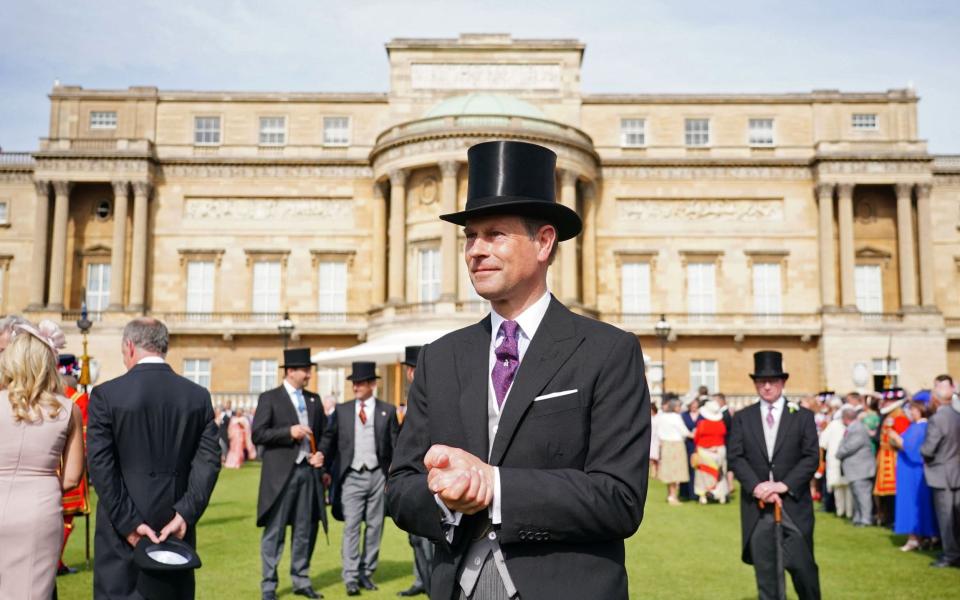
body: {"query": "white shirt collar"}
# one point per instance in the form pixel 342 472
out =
pixel 777 404
pixel 529 320
pixel 291 391
pixel 151 360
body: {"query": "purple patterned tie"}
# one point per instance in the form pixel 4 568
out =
pixel 770 420
pixel 508 359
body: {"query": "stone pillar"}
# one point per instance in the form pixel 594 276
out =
pixel 398 236
pixel 847 252
pixel 118 252
pixel 379 258
pixel 828 279
pixel 138 260
pixel 58 253
pixel 908 282
pixel 38 270
pixel 590 199
pixel 569 281
pixel 925 245
pixel 448 237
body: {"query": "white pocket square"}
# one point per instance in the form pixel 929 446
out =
pixel 555 395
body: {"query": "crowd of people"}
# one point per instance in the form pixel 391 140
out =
pixel 875 467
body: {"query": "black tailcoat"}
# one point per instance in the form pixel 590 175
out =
pixel 272 421
pixel 152 452
pixel 338 440
pixel 796 456
pixel 573 466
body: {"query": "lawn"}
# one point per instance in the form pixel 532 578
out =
pixel 687 551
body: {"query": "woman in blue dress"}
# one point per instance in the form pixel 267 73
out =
pixel 914 514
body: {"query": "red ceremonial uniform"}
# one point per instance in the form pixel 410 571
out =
pixel 886 483
pixel 75 500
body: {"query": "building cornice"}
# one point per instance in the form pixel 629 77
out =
pixel 816 96
pixel 76 92
pixel 484 41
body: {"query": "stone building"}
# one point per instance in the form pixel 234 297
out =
pixel 815 223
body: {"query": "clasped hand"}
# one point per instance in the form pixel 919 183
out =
pixel 770 491
pixel 177 527
pixel 463 482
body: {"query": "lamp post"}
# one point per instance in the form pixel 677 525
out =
pixel 84 324
pixel 286 327
pixel 662 329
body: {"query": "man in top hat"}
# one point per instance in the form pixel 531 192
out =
pixel 75 501
pixel 773 451
pixel 153 458
pixel 361 435
pixel 286 419
pixel 422 547
pixel 524 455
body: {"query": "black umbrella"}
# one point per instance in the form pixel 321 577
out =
pixel 778 539
pixel 318 479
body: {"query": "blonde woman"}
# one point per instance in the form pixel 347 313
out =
pixel 41 454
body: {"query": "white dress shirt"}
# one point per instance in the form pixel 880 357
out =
pixel 770 433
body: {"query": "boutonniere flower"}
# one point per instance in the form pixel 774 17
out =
pixel 792 407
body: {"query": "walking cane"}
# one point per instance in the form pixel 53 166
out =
pixel 778 538
pixel 319 482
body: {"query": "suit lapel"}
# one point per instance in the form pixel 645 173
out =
pixel 379 422
pixel 283 398
pixel 473 361
pixel 786 421
pixel 549 349
pixel 755 426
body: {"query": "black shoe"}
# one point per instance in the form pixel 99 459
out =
pixel 353 589
pixel 366 584
pixel 308 591
pixel 66 570
pixel 942 563
pixel 268 596
pixel 413 590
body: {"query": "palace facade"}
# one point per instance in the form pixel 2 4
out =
pixel 814 223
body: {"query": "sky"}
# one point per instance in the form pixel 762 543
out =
pixel 632 46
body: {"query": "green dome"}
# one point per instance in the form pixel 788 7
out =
pixel 485 104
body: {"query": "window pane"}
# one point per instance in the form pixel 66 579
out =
pixel 330 381
pixel 273 131
pixel 766 289
pixel 868 281
pixel 704 372
pixel 206 130
pixel 632 132
pixel 266 287
pixel 200 286
pixel 263 375
pixel 103 120
pixel 3 212
pixel 332 278
pixel 336 131
pixel 697 132
pixel 701 288
pixel 197 370
pixel 635 288
pixel 761 132
pixel 98 287
pixel 428 273
pixel 864 121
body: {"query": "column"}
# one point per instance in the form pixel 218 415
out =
pixel 448 237
pixel 847 258
pixel 908 282
pixel 828 279
pixel 590 199
pixel 138 260
pixel 925 245
pixel 569 284
pixel 58 253
pixel 118 251
pixel 398 235
pixel 38 270
pixel 379 258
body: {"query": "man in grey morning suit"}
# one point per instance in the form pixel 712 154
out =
pixel 858 465
pixel 941 455
pixel 286 418
pixel 361 434
pixel 524 452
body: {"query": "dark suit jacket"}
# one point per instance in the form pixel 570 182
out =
pixel 338 439
pixel 274 416
pixel 796 456
pixel 941 449
pixel 573 468
pixel 152 452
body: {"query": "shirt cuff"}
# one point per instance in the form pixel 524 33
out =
pixel 495 516
pixel 450 521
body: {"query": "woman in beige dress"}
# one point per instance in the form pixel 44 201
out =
pixel 41 454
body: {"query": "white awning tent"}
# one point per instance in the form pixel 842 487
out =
pixel 384 350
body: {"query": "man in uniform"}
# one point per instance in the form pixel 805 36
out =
pixel 885 485
pixel 773 451
pixel 524 455
pixel 75 501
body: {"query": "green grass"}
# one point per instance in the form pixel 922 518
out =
pixel 687 551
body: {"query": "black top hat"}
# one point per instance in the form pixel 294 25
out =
pixel 363 371
pixel 295 358
pixel 411 353
pixel 768 364
pixel 166 569
pixel 516 178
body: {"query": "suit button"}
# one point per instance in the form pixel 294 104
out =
pixel 152 474
pixel 523 535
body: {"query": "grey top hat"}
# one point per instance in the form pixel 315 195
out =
pixel 515 178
